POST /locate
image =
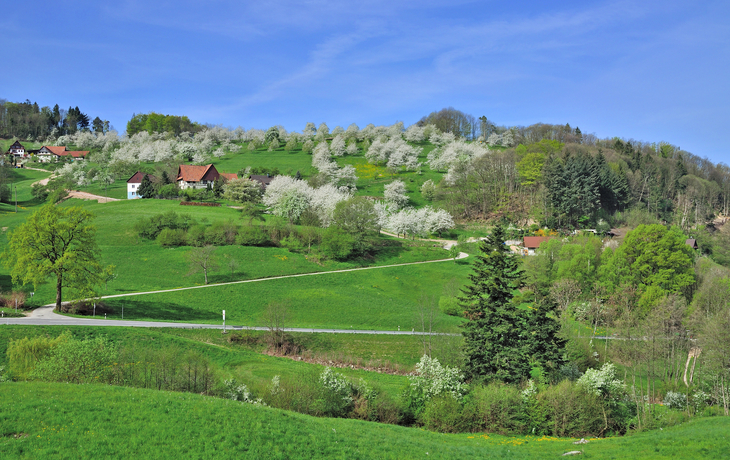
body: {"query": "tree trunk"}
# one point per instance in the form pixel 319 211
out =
pixel 59 284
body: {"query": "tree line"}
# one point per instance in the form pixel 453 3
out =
pixel 26 120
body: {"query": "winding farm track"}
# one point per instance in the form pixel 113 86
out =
pixel 45 316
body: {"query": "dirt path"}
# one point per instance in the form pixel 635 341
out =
pixel 90 196
pixel 76 193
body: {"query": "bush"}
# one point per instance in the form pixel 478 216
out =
pixel 292 243
pixel 196 236
pixel 450 306
pixel 675 400
pixel 445 415
pixel 150 227
pixel 169 237
pixel 571 411
pixel 169 191
pixel 337 244
pixel 221 234
pixel 252 235
pixel 78 361
pixel 496 408
pixel 25 353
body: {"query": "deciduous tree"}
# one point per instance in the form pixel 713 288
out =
pixel 60 243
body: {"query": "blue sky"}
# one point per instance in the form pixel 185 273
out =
pixel 651 71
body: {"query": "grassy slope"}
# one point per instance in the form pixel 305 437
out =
pixel 373 299
pixel 59 421
pixel 252 368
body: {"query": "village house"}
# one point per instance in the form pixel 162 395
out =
pixel 193 176
pixel 531 243
pixel 133 184
pixel 50 153
pixel 17 150
pixel 263 180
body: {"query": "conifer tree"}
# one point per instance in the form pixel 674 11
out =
pixel 495 334
pixel 545 346
pixel 146 189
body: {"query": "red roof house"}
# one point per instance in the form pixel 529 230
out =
pixel 193 176
pixel 533 242
pixel 49 153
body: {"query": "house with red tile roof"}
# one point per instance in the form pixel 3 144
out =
pixel 194 176
pixel 532 243
pixel 50 153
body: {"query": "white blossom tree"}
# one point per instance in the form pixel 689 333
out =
pixel 338 147
pixel 310 129
pixel 395 194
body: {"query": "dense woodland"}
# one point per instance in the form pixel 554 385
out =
pixel 29 121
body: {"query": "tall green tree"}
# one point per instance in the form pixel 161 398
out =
pixel 653 259
pixel 495 334
pixel 58 243
pixel 146 188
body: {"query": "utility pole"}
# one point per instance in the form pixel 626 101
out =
pixel 16 198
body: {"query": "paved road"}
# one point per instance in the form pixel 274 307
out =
pixel 48 318
pixel 44 316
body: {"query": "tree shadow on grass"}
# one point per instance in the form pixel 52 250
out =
pixel 6 283
pixel 159 311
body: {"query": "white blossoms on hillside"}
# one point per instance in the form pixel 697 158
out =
pixel 395 194
pixel 338 147
pixel 343 178
pixel 394 153
pixel 289 197
pixel 420 222
pixel 455 152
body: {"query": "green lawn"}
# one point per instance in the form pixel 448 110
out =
pixel 288 163
pixel 144 265
pixel 21 181
pixel 55 421
pixel 386 298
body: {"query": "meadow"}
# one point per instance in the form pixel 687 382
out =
pixel 384 299
pixel 42 420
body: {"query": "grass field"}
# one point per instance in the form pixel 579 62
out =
pixel 54 421
pixel 21 181
pixel 385 298
pixel 144 265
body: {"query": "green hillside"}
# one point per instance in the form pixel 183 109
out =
pixel 55 421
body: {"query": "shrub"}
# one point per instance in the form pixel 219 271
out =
pixel 675 400
pixel 196 236
pixel 252 235
pixel 336 395
pixel 292 243
pixel 570 410
pixel 25 353
pixel 150 227
pixel 239 392
pixel 169 237
pixel 221 233
pixel 337 244
pixel 432 379
pixel 169 191
pixel 496 408
pixel 446 415
pixel 450 306
pixel 78 361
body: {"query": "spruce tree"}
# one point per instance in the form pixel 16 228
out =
pixel 146 189
pixel 545 347
pixel 495 334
